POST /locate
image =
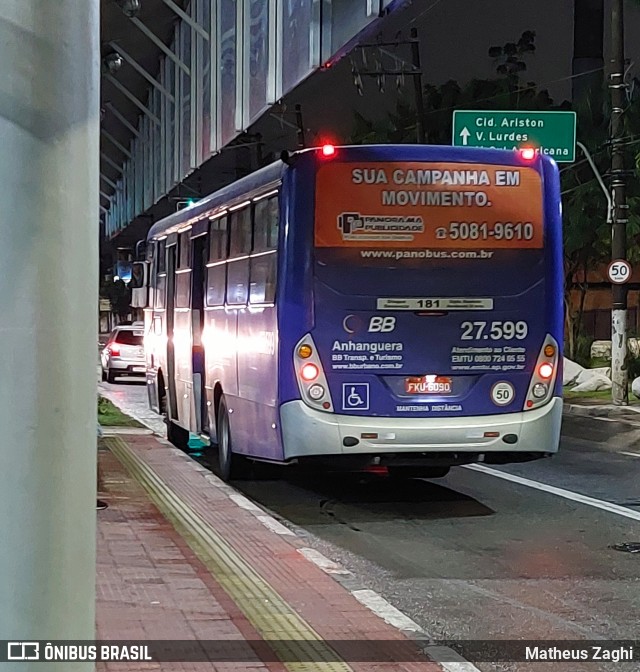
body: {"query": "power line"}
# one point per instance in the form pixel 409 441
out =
pixel 521 90
pixel 425 11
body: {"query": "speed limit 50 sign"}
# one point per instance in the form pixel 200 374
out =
pixel 619 272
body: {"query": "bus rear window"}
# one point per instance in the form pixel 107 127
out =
pixel 129 337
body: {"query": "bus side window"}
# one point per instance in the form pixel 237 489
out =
pixel 265 235
pixel 263 278
pixel 264 259
pixel 240 232
pixel 216 285
pixel 161 285
pixel 161 254
pixel 218 238
pixel 184 250
pixel 183 290
pixel 158 274
pixel 238 282
pixel 240 240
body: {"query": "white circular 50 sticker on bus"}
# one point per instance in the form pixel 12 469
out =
pixel 502 393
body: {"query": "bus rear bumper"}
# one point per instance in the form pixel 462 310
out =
pixel 308 433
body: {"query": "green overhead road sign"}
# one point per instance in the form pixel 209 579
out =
pixel 551 133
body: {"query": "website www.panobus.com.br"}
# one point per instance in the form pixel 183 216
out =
pixel 426 254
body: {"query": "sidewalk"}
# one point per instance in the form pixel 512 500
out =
pixel 183 556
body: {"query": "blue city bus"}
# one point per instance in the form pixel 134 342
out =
pixel 361 307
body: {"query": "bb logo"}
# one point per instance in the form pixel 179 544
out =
pixel 382 325
pixel 23 651
pixel 352 324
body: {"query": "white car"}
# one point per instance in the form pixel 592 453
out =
pixel 123 355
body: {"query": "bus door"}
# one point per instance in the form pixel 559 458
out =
pixel 200 256
pixel 172 407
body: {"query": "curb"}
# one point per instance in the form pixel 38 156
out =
pixel 604 412
pixel 117 430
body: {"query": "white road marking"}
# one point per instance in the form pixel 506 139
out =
pixel 447 658
pixel 275 526
pixel 460 664
pixel 386 611
pixel 624 452
pixel 561 492
pixel 322 561
pixel 244 503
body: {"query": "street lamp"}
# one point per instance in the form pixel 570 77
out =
pixel 130 8
pixel 111 63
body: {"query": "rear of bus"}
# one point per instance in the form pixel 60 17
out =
pixel 434 331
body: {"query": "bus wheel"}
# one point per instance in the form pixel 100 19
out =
pixel 230 466
pixel 417 472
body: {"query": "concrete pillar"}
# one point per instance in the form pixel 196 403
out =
pixel 49 144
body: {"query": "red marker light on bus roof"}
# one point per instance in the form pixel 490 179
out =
pixel 328 150
pixel 528 153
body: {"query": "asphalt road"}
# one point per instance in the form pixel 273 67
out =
pixel 477 555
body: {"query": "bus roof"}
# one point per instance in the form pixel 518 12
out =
pixel 260 178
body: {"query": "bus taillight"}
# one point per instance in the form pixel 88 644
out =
pixel 314 389
pixel 309 372
pixel 528 153
pixel 545 370
pixel 544 375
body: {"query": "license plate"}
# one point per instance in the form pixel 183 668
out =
pixel 139 369
pixel 428 385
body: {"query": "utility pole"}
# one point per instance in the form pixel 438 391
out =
pixel 417 86
pixel 619 374
pixel 49 182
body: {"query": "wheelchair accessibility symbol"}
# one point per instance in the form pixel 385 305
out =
pixel 355 396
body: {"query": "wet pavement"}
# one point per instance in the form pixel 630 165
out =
pixel 130 395
pixel 521 552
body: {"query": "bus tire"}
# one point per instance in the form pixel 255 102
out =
pixel 417 472
pixel 231 466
